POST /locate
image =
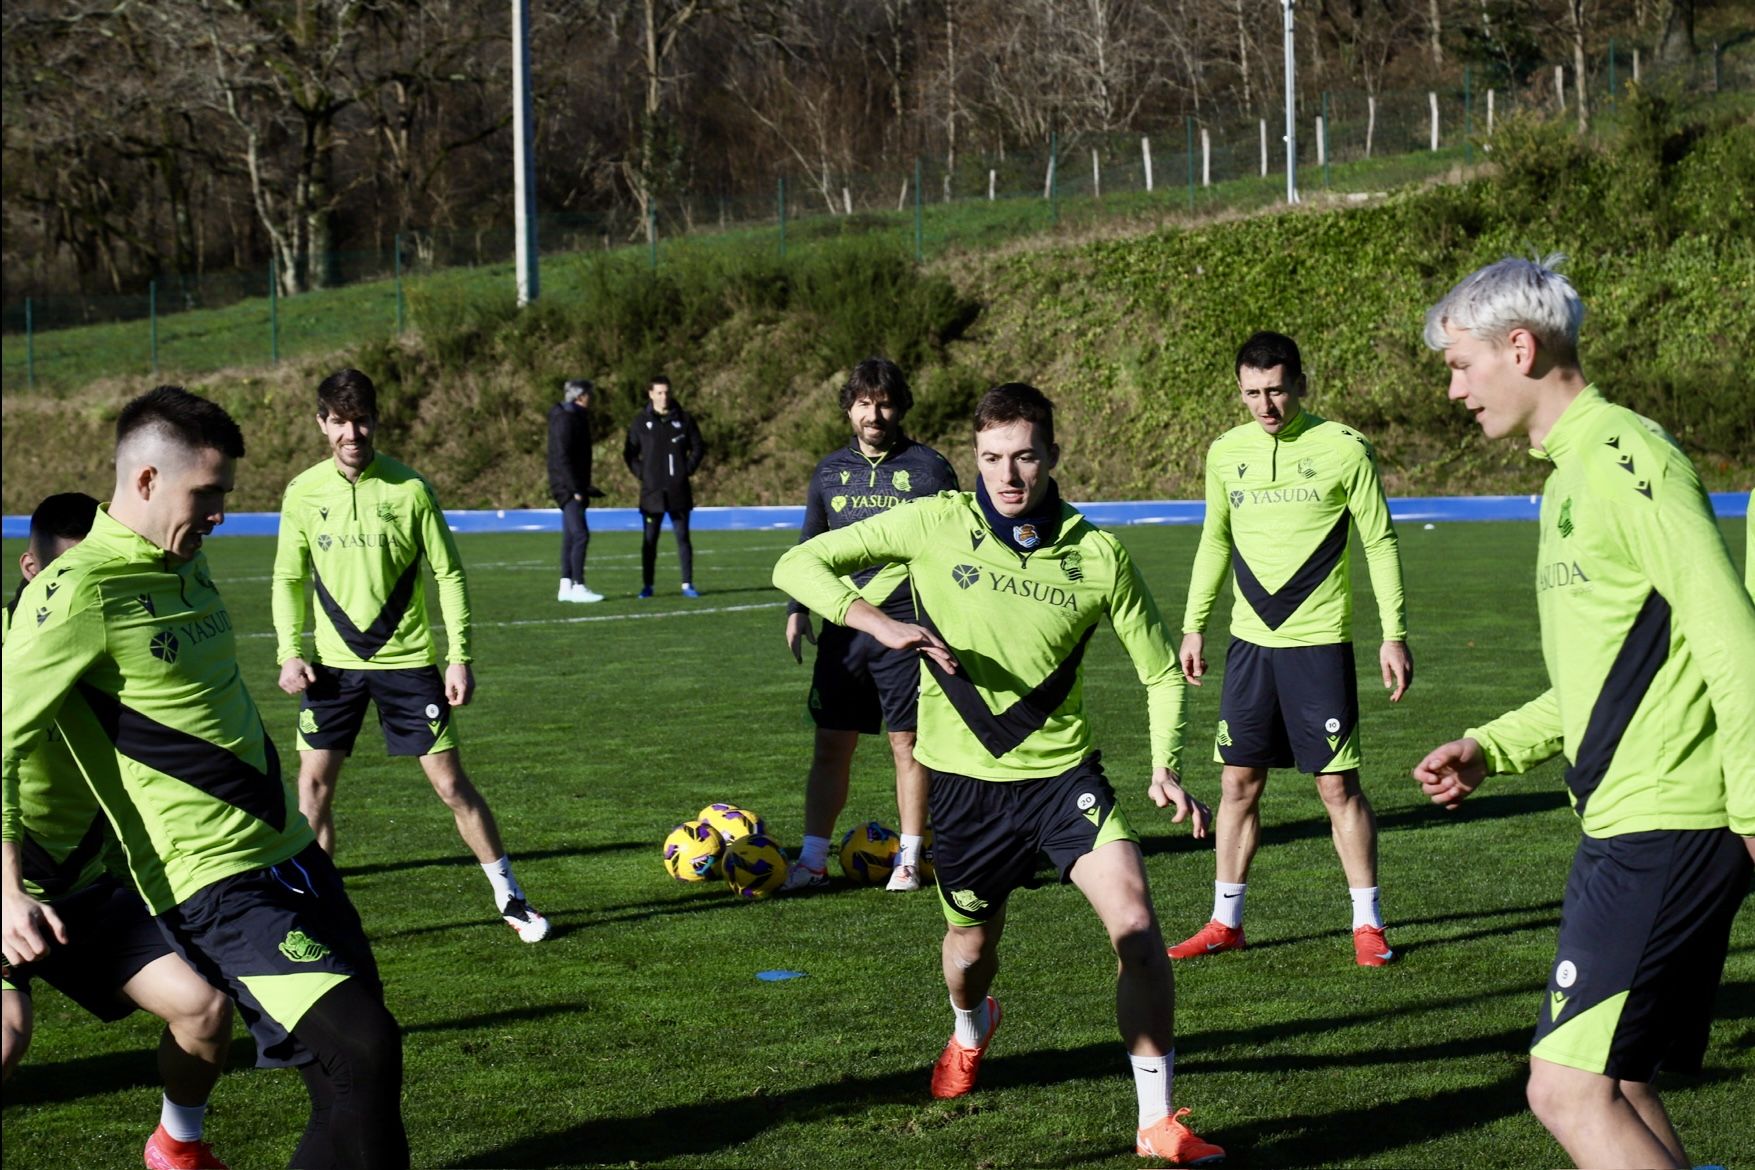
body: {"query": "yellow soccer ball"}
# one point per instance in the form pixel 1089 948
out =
pixel 691 852
pixel 754 866
pixel 730 821
pixel 868 853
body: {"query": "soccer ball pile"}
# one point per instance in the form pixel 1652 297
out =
pixel 868 853
pixel 725 841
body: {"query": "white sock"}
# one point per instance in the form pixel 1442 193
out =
pixel 1228 903
pixel 1153 1080
pixel 910 851
pixel 1366 908
pixel 971 1024
pixel 566 582
pixel 183 1122
pixel 499 875
pixel 814 853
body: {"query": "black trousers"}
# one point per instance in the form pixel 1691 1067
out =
pixel 575 539
pixel 685 551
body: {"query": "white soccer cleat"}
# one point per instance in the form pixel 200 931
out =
pixel 583 593
pixel 523 918
pixel 802 879
pixel 903 879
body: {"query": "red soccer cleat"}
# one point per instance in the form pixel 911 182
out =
pixel 953 1074
pixel 1210 939
pixel 164 1152
pixel 1370 949
pixel 1175 1142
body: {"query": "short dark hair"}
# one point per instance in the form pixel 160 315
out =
pixel 1265 350
pixel 1016 402
pixel 191 420
pixel 659 380
pixel 347 394
pixel 881 380
pixel 63 516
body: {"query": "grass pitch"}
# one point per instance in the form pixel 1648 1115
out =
pixel 639 1035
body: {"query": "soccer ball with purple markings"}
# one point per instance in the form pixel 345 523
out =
pixel 868 853
pixel 691 852
pixel 754 866
pixel 730 821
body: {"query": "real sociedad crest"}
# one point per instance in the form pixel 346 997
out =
pixel 1025 535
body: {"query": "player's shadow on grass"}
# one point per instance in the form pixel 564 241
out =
pixel 566 920
pixel 464 861
pixel 56 1081
pixel 1541 916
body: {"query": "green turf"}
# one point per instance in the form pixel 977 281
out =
pixel 640 1035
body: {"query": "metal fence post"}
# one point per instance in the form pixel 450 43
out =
pixel 30 344
pixel 401 305
pixel 652 232
pixel 273 311
pixel 780 198
pixel 1188 124
pixel 1468 120
pixel 1611 70
pixel 919 225
pixel 152 316
pixel 1054 176
pixel 1325 172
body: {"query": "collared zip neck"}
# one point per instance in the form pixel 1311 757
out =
pixel 1557 441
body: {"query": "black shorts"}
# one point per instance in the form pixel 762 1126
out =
pixel 110 939
pixel 412 710
pixel 276 940
pixel 1285 705
pixel 860 684
pixel 1643 934
pixel 987 833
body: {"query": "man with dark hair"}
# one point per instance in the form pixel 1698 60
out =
pixel 358 525
pixel 858 684
pixel 569 481
pixel 1284 493
pixel 109 956
pixel 662 451
pixel 1013 583
pixel 1649 641
pixel 129 651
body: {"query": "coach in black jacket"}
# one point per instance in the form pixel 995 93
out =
pixel 569 481
pixel 663 449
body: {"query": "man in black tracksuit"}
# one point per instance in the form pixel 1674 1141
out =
pixel 569 481
pixel 663 450
pixel 858 685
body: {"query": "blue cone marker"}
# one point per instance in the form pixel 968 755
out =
pixel 777 976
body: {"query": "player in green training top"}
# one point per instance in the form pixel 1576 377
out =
pixel 1649 640
pixel 126 648
pixel 1284 493
pixel 1012 584
pixel 106 953
pixel 357 526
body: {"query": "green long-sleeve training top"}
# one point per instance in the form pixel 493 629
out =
pixel 361 544
pixel 1280 509
pixel 131 654
pixel 1018 624
pixel 1648 636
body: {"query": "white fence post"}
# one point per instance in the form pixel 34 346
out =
pixel 1206 158
pixel 902 199
pixel 1048 179
pixel 1146 154
pixel 1264 148
pixel 1636 66
pixel 1096 175
pixel 947 186
pixel 1489 113
pixel 1321 143
pixel 991 176
pixel 1560 86
pixel 1432 101
pixel 1370 123
pixel 847 200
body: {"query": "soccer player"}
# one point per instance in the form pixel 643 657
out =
pixel 1649 640
pixel 109 955
pixel 569 481
pixel 1013 583
pixel 358 526
pixel 858 683
pixel 662 451
pixel 126 647
pixel 1284 492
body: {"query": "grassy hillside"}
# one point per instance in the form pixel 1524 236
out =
pixel 1132 334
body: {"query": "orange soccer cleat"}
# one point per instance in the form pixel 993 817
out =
pixel 1171 1140
pixel 953 1074
pixel 164 1152
pixel 1210 939
pixel 1370 949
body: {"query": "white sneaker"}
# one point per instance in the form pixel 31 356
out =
pixel 802 879
pixel 903 879
pixel 566 593
pixel 522 917
pixel 582 593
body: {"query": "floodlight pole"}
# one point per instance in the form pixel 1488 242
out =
pixel 1291 109
pixel 523 157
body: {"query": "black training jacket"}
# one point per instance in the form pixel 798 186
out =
pixel 662 451
pixel 569 452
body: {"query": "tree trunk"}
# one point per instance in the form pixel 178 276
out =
pixel 1435 44
pixel 1676 46
pixel 1575 19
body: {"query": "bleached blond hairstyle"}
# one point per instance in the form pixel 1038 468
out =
pixel 1512 294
